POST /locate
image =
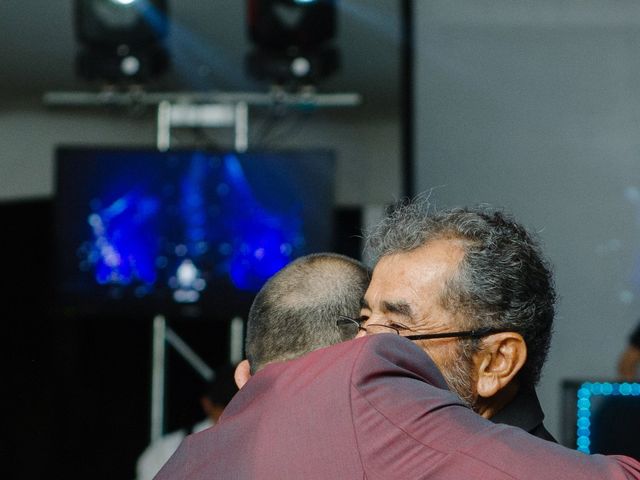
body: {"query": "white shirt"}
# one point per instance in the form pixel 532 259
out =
pixel 158 452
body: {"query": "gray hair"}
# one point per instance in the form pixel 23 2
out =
pixel 296 310
pixel 503 281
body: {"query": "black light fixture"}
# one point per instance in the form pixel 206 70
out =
pixel 292 39
pixel 121 40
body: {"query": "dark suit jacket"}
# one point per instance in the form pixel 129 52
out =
pixel 524 412
pixel 375 408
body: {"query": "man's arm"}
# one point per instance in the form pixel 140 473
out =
pixel 409 426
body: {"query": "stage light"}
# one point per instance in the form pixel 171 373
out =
pixel 292 39
pixel 291 23
pixel 121 40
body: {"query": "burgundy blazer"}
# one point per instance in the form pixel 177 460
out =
pixel 375 408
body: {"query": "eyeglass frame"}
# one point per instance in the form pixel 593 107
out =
pixel 474 334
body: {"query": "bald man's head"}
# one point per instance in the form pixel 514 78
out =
pixel 296 311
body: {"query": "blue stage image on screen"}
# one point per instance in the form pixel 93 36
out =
pixel 185 227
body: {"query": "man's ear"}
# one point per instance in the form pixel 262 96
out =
pixel 498 362
pixel 242 373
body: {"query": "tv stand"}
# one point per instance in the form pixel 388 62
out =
pixel 163 335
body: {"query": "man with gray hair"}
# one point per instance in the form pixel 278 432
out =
pixel 472 289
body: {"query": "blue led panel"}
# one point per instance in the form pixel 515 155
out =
pixel 586 394
pixel 157 230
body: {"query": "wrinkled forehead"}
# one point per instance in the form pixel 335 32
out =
pixel 414 281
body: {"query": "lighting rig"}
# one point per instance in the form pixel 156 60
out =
pixel 122 43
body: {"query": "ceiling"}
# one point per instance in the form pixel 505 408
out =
pixel 208 44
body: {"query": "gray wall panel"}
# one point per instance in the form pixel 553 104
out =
pixel 535 107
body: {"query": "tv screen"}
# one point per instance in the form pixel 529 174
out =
pixel 186 232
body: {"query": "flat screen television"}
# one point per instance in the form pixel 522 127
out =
pixel 185 232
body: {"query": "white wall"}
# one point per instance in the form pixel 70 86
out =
pixel 535 106
pixel 368 147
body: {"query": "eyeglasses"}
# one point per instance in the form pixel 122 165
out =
pixel 351 326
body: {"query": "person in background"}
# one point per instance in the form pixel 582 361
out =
pixel 214 399
pixel 630 358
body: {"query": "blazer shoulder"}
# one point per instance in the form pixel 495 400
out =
pixel 389 354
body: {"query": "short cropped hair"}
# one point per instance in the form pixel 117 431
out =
pixel 296 310
pixel 503 280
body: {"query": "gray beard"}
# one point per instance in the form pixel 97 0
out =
pixel 457 374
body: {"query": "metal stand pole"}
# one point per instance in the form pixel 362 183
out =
pixel 163 134
pixel 241 127
pixel 190 356
pixel 157 377
pixel 163 335
pixel 236 340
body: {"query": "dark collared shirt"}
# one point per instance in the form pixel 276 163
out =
pixel 525 412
